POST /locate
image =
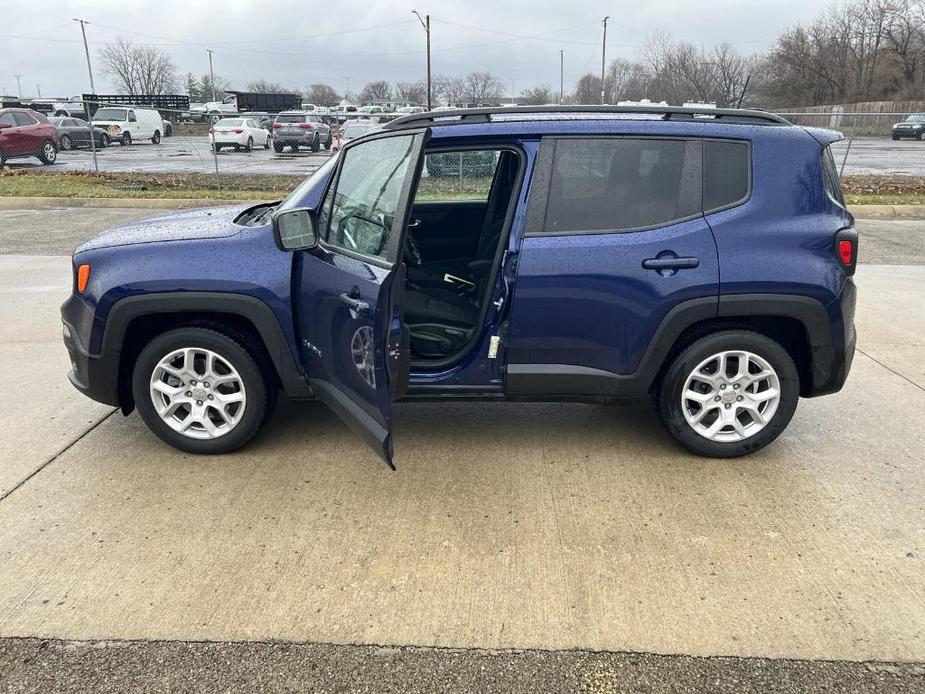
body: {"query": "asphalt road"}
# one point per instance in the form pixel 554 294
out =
pixel 185 154
pixel 541 547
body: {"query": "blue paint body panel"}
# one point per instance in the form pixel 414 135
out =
pixel 581 300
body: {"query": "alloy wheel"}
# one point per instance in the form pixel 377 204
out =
pixel 198 393
pixel 731 396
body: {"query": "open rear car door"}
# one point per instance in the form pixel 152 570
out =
pixel 349 279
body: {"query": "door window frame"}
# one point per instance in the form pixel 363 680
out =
pixel 539 197
pixel 407 195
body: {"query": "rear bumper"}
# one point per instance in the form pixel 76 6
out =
pixel 832 360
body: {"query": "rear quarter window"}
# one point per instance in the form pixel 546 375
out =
pixel 726 174
pixel 830 176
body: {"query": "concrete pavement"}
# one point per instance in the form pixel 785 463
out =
pixel 550 526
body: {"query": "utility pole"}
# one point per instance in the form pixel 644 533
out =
pixel 19 84
pixel 561 76
pixel 211 73
pixel 38 88
pixel 513 82
pixel 603 58
pixel 83 32
pixel 347 89
pixel 426 24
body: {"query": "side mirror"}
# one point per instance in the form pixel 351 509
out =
pixel 295 229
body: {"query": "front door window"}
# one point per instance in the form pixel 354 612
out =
pixel 358 214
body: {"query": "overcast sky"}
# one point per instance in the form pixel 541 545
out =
pixel 298 42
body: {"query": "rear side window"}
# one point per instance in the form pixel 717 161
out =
pixel 830 176
pixel 621 184
pixel 726 174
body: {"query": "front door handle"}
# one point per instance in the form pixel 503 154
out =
pixel 355 304
pixel 667 265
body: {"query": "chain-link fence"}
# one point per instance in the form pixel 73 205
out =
pixel 259 155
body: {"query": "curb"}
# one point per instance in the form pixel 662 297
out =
pixel 140 203
pixel 887 211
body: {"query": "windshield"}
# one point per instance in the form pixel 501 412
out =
pixel 316 179
pixel 917 118
pixel 110 114
pixel 229 122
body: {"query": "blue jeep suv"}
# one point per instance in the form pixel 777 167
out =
pixel 704 257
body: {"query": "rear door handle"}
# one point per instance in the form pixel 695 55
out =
pixel 669 265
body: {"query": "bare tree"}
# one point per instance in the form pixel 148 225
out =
pixel 588 89
pixel 450 89
pixel 138 69
pixel 627 80
pixel 322 95
pixel 376 91
pixel 537 96
pixel 265 87
pixel 414 92
pixel 480 87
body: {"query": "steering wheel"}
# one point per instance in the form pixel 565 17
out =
pixel 412 252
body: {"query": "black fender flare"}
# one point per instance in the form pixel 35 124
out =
pixel 124 311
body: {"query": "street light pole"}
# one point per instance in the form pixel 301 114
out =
pixel 561 76
pixel 18 84
pixel 513 82
pixel 603 58
pixel 425 22
pixel 347 89
pixel 83 32
pixel 38 88
pixel 211 73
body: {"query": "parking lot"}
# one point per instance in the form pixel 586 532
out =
pixel 192 154
pixel 506 526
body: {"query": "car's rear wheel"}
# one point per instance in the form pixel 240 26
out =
pixel 49 153
pixel 729 394
pixel 266 142
pixel 156 140
pixel 200 390
pixel 250 145
pixel 66 143
pixel 316 143
pixel 126 139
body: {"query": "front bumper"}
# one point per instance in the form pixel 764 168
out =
pixel 96 376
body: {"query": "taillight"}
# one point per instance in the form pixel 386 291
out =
pixel 305 126
pixel 237 130
pixel 846 249
pixel 277 125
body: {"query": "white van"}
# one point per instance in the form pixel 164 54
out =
pixel 127 124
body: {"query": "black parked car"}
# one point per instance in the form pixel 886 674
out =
pixel 913 126
pixel 75 133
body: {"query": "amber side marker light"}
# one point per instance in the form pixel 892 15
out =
pixel 83 276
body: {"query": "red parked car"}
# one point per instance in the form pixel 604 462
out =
pixel 27 133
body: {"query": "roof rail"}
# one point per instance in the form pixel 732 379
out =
pixel 484 115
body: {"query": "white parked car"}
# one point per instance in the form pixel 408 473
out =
pixel 128 124
pixel 240 133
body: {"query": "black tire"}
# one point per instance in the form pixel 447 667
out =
pixel 258 402
pixel 266 143
pixel 168 130
pixel 49 153
pixel 126 139
pixel 295 148
pixel 669 394
pixel 920 136
pixel 216 148
pixel 316 143
pixel 66 143
pixel 278 148
pixel 156 140
pixel 895 137
pixel 249 147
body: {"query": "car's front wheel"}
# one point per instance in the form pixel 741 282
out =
pixel 200 391
pixel 66 143
pixel 729 394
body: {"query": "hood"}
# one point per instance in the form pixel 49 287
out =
pixel 203 223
